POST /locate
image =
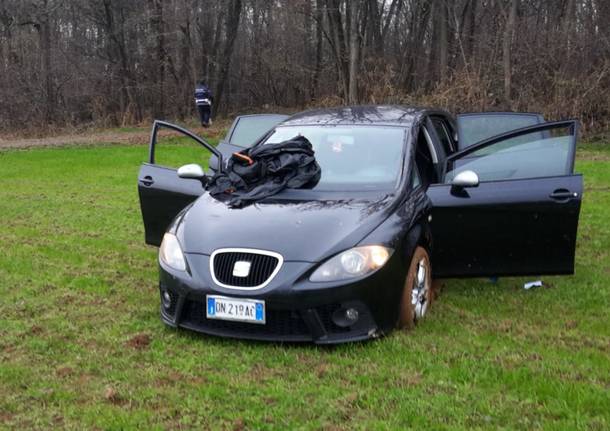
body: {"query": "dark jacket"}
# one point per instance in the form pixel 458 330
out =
pixel 203 95
pixel 265 170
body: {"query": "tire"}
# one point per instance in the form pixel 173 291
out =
pixel 418 291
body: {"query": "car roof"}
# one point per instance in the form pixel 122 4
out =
pixel 379 115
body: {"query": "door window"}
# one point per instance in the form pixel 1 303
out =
pixel 542 152
pixel 175 151
pixel 176 146
pixel 475 127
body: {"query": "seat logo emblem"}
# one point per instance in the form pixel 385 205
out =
pixel 241 268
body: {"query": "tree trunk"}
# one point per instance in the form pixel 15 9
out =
pixel 567 25
pixel 434 51
pixel 375 26
pixel 335 24
pixel 315 84
pixel 388 19
pixel 159 85
pixel 414 54
pixel 231 28
pixel 471 30
pixel 114 27
pixel 507 52
pixel 44 33
pixel 186 68
pixel 212 66
pixel 442 42
pixel 354 43
pixel 603 33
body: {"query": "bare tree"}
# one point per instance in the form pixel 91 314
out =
pixel 353 9
pixel 506 50
pixel 156 22
pixel 231 28
pixel 442 42
pixel 112 62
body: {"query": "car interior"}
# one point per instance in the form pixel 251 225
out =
pixel 444 135
pixel 426 159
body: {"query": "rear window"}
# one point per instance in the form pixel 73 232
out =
pixel 249 129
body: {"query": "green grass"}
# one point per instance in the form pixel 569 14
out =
pixel 78 284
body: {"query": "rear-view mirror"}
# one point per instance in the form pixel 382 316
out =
pixel 193 171
pixel 466 179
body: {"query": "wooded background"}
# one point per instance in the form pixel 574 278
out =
pixel 120 62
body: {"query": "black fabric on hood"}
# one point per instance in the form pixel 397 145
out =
pixel 266 170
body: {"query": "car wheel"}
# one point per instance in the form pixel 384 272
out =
pixel 418 292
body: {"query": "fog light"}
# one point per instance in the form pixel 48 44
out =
pixel 344 317
pixel 166 300
pixel 351 314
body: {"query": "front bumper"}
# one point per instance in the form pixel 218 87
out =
pixel 285 325
pixel 296 310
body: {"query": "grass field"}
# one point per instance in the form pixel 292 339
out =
pixel 82 346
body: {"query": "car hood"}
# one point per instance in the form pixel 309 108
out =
pixel 300 230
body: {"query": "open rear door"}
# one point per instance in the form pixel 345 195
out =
pixel 520 216
pixel 476 126
pixel 162 193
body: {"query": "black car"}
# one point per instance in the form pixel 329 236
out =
pixel 405 197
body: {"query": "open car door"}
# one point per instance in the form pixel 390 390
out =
pixel 476 126
pixel 245 132
pixel 509 205
pixel 163 194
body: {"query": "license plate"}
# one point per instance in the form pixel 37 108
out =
pixel 240 310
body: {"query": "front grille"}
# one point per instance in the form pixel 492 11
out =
pixel 282 323
pixel 262 267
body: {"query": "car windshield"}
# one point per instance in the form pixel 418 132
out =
pixel 352 158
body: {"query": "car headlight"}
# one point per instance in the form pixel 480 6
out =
pixel 355 262
pixel 170 252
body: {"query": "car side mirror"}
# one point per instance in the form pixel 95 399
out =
pixel 193 171
pixel 465 179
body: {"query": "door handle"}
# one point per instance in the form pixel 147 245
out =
pixel 563 195
pixel 147 181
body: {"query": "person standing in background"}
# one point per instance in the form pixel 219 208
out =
pixel 203 100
